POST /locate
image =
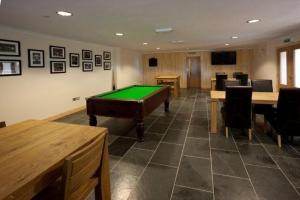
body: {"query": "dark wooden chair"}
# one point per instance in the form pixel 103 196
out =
pixel 220 81
pixel 80 175
pixel 236 73
pixel 220 73
pixel 243 78
pixel 2 124
pixel 285 119
pixel 237 108
pixel 261 86
pixel 228 83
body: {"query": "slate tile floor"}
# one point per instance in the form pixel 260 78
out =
pixel 180 160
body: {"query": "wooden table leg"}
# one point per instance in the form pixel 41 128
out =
pixel 93 120
pixel 214 116
pixel 140 130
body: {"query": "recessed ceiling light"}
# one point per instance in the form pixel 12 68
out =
pixel 119 34
pixel 163 30
pixel 251 21
pixel 234 37
pixel 64 13
pixel 145 43
pixel 227 44
pixel 158 48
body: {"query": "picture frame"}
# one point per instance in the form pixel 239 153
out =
pixel 98 60
pixel 10 67
pixel 87 66
pixel 36 58
pixel 74 60
pixel 57 52
pixel 87 54
pixel 107 66
pixel 57 67
pixel 10 48
pixel 106 55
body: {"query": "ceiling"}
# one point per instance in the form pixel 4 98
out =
pixel 202 24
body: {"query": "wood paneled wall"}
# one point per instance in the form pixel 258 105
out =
pixel 176 64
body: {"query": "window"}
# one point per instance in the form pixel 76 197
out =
pixel 297 67
pixel 283 68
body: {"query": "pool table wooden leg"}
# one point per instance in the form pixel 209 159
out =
pixel 140 130
pixel 93 120
pixel 167 103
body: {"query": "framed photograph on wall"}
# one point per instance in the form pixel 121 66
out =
pixel 98 60
pixel 57 52
pixel 36 58
pixel 106 55
pixel 10 48
pixel 107 66
pixel 87 55
pixel 10 68
pixel 57 67
pixel 87 66
pixel 74 60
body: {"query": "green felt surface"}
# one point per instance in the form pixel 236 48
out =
pixel 131 93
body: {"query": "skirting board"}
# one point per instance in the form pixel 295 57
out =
pixel 69 112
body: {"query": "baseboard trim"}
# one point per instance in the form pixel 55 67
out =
pixel 69 112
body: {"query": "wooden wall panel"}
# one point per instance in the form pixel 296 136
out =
pixel 175 64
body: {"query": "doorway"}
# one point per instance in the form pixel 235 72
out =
pixel 194 72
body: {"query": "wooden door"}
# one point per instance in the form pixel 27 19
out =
pixel 194 72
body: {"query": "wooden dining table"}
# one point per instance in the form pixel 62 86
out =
pixel 32 155
pixel 270 98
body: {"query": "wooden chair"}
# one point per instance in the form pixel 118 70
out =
pixel 2 124
pixel 220 81
pixel 243 78
pixel 236 73
pixel 80 175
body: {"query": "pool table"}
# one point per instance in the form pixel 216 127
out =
pixel 135 102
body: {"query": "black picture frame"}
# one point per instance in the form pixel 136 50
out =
pixel 36 58
pixel 98 60
pixel 106 55
pixel 57 52
pixel 87 54
pixel 107 66
pixel 56 71
pixel 2 68
pixel 84 66
pixel 73 61
pixel 10 48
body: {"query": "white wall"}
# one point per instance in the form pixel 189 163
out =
pixel 128 67
pixel 37 94
pixel 265 58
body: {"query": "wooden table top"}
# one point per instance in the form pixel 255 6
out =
pixel 30 149
pixel 230 79
pixel 257 97
pixel 167 77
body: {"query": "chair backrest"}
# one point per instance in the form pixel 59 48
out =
pixel 220 73
pixel 80 169
pixel 243 78
pixel 262 85
pixel 236 73
pixel 228 83
pixel 219 81
pixel 2 124
pixel 288 108
pixel 238 107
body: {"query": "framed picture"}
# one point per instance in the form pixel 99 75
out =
pixel 107 65
pixel 57 67
pixel 36 58
pixel 98 60
pixel 106 55
pixel 10 48
pixel 74 60
pixel 87 55
pixel 87 66
pixel 57 52
pixel 10 68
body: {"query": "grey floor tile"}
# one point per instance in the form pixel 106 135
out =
pixel 121 185
pixel 228 163
pixel 175 136
pixel 183 116
pixel 219 141
pixel 195 173
pixel 134 162
pixel 151 141
pixel 256 155
pixel 179 124
pixel 283 151
pixel 182 193
pixel 271 184
pixel 198 131
pixel 158 127
pixel 113 160
pixel 241 136
pixel 228 188
pixel 165 119
pixel 155 184
pixel 120 146
pixel 291 167
pixel 112 138
pixel 197 147
pixel 167 154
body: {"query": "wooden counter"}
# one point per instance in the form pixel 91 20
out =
pixel 173 81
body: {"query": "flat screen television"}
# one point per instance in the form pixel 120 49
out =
pixel 223 58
